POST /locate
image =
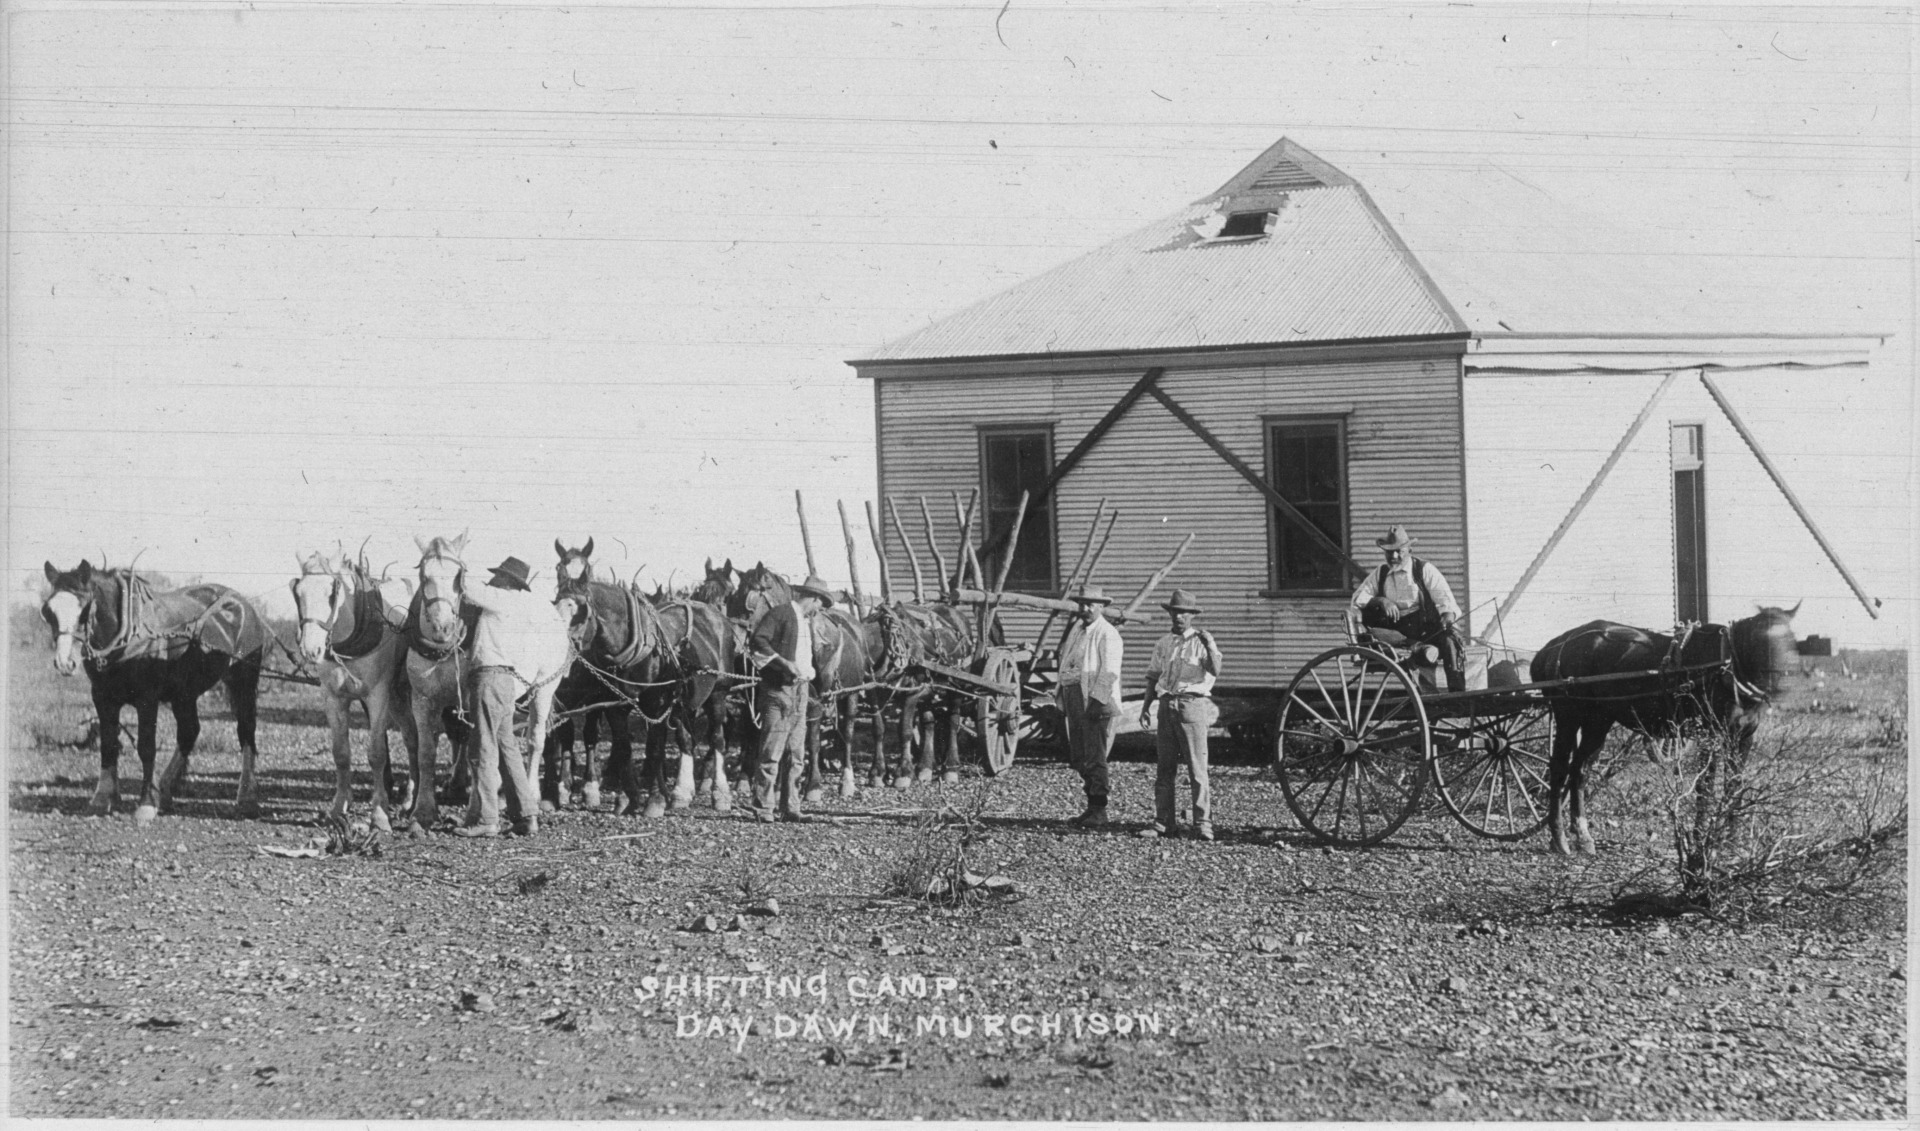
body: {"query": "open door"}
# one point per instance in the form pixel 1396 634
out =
pixel 1690 523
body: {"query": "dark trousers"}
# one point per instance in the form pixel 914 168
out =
pixel 1090 726
pixel 783 747
pixel 1181 740
pixel 1426 626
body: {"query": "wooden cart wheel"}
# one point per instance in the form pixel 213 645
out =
pixel 1352 747
pixel 997 717
pixel 1491 770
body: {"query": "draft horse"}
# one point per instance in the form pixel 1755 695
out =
pixel 350 629
pixel 438 637
pixel 1739 667
pixel 145 646
pixel 666 660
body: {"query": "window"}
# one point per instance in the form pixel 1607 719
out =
pixel 1690 522
pixel 1307 465
pixel 1012 460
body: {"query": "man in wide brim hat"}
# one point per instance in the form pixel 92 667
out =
pixel 1412 597
pixel 781 650
pixel 1090 696
pixel 817 588
pixel 513 621
pixel 1185 663
pixel 513 572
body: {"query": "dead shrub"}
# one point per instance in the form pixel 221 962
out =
pixel 1807 825
pixel 943 864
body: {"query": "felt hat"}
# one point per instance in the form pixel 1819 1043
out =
pixel 817 588
pixel 1092 595
pixel 515 571
pixel 1182 601
pixel 1397 538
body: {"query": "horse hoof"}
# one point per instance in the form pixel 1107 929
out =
pixel 815 794
pixel 722 800
pixel 905 781
pixel 590 797
pixel 547 806
pixel 381 822
pixel 950 777
pixel 680 802
pixel 144 815
pixel 848 790
pixel 417 831
pixel 99 807
pixel 656 809
pixel 248 808
pixel 622 804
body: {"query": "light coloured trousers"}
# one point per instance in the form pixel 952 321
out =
pixel 496 751
pixel 783 747
pixel 1182 740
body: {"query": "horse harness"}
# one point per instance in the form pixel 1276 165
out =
pixel 369 625
pixel 136 594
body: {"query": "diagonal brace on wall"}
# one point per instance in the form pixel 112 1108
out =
pixel 1287 510
pixel 1580 504
pixel 1871 605
pixel 1073 458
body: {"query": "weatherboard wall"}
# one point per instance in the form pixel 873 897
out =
pixel 1404 464
pixel 1535 441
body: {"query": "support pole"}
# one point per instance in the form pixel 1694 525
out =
pixel 1073 575
pixel 1566 524
pixel 933 545
pixel 879 537
pixel 1153 582
pixel 913 555
pixel 853 564
pixel 1093 565
pixel 964 556
pixel 806 540
pixel 1870 604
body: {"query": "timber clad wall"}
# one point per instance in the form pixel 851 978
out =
pixel 1404 464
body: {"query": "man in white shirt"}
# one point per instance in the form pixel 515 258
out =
pixel 1412 598
pixel 781 650
pixel 1185 663
pixel 515 632
pixel 1090 697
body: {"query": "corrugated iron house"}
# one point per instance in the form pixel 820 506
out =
pixel 1274 370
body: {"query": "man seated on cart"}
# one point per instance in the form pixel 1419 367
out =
pixel 1411 597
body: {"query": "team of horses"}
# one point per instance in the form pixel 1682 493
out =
pixel 679 662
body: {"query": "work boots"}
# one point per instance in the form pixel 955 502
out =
pixel 1095 817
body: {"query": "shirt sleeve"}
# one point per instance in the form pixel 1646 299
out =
pixel 761 647
pixel 488 597
pixel 1369 588
pixel 1104 679
pixel 1441 592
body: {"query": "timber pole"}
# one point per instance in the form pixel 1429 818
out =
pixel 1093 564
pixel 1871 605
pixel 853 565
pixel 1073 575
pixel 964 555
pixel 879 537
pixel 806 540
pixel 913 555
pixel 933 546
pixel 1153 582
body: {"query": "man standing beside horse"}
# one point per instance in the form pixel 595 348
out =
pixel 516 624
pixel 1412 597
pixel 781 649
pixel 1090 697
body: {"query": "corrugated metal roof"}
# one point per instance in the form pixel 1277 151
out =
pixel 1423 250
pixel 1329 268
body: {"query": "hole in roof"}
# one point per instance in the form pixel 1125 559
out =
pixel 1242 224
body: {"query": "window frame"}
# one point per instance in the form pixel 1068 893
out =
pixel 982 434
pixel 1270 427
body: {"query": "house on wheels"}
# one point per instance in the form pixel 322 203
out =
pixel 1276 371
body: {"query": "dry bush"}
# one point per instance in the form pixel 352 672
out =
pixel 1808 825
pixel 943 863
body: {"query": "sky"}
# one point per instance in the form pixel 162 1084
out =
pixel 285 277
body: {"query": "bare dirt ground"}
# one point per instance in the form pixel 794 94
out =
pixel 178 972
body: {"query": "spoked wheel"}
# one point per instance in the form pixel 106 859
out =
pixel 997 717
pixel 1491 770
pixel 1352 746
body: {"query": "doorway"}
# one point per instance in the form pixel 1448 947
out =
pixel 1690 522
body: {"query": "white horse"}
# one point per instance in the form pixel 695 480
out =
pixel 350 627
pixel 436 665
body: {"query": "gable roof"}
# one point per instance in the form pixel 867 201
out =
pixel 1485 254
pixel 1328 268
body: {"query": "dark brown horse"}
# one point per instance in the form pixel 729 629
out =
pixel 581 702
pixel 668 662
pixel 1720 674
pixel 144 646
pixel 870 665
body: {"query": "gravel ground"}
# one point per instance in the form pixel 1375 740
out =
pixel 179 972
